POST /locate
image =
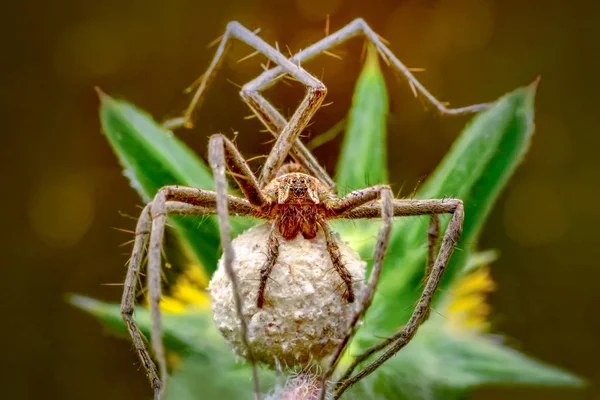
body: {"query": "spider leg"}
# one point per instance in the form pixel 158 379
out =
pixel 276 123
pixel 238 167
pixel 353 29
pixel 265 271
pixel 187 201
pixel 383 237
pixel 355 199
pixel 432 249
pixel 217 151
pixel 433 234
pixel 142 231
pixel 290 131
pixel 402 208
pixel 336 259
pixel 421 311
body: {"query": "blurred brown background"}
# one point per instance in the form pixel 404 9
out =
pixel 64 191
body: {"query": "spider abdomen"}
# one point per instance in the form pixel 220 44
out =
pixel 295 219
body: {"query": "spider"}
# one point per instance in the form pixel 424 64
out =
pixel 298 198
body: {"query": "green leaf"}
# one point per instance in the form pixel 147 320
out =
pixel 150 155
pixel 443 363
pixel 484 158
pixel 153 157
pixel 363 159
pixel 215 379
pixel 475 170
pixel 183 333
pixel 198 346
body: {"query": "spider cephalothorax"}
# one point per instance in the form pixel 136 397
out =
pixel 297 204
pixel 296 200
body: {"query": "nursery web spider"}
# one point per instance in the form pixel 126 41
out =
pixel 298 198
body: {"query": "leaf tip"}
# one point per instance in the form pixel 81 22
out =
pixel 106 101
pixel 84 303
pixel 532 88
pixel 562 378
pixel 101 94
pixel 536 82
pixel 372 61
pixel 530 92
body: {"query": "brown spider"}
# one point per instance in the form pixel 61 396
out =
pixel 298 198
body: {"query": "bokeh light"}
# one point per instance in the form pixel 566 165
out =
pixel 61 208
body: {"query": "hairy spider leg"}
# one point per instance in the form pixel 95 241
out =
pixel 265 271
pixel 356 28
pixel 421 311
pixel 171 200
pixel 218 149
pixel 287 132
pixel 355 199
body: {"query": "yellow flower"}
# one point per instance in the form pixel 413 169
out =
pixel 188 292
pixel 467 307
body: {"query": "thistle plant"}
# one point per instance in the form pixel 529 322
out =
pixel 451 354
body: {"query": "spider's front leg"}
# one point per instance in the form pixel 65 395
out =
pixel 223 154
pixel 353 29
pixel 287 133
pixel 172 200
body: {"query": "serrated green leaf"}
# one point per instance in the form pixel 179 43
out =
pixel 441 363
pixel 363 159
pixel 484 158
pixel 199 347
pixel 183 332
pixel 481 361
pixel 153 157
pixel 475 170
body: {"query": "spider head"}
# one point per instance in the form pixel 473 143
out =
pixel 296 188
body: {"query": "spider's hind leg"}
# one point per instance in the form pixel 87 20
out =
pixel 422 308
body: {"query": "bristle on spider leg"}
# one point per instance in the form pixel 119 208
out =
pixel 249 56
pixel 413 88
pixel 215 42
pixel 331 54
pixel 234 84
pixel 384 40
pixel 194 84
pixel 384 57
